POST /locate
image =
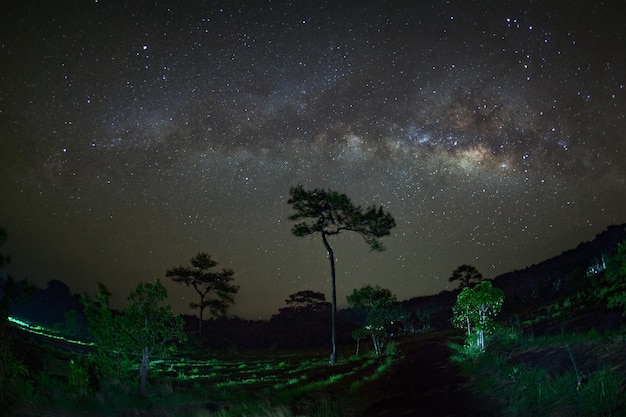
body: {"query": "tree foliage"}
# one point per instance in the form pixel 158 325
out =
pixel 329 213
pixel 466 275
pixel 110 359
pixel 214 287
pixel 380 309
pixel 149 327
pixel 306 301
pixel 474 311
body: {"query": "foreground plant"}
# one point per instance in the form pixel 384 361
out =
pixel 145 329
pixel 150 327
pixel 474 311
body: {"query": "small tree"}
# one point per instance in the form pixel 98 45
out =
pixel 214 288
pixel 467 275
pixel 359 334
pixel 474 311
pixel 330 213
pixel 110 359
pixel 379 307
pixel 149 327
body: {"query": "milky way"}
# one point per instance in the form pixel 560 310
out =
pixel 134 135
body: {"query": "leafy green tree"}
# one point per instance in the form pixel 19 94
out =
pixel 149 327
pixel 214 288
pixel 466 275
pixel 110 358
pixel 380 309
pixel 330 213
pixel 306 301
pixel 145 329
pixel 474 311
pixel 615 276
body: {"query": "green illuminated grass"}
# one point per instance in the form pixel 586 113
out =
pixel 267 384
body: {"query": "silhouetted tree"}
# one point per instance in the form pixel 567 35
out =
pixel 330 213
pixel 57 289
pixel 214 288
pixel 306 301
pixel 467 275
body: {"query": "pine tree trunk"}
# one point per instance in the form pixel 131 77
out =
pixel 201 313
pixel 331 258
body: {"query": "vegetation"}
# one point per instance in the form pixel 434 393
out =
pixel 145 329
pixel 214 288
pixel 207 385
pixel 330 213
pixel 149 327
pixel 466 275
pixel 549 359
pixel 306 301
pixel 574 373
pixel 110 360
pixel 552 376
pixel 12 370
pixel 615 288
pixel 474 311
pixel 379 308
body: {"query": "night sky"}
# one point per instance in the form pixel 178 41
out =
pixel 135 134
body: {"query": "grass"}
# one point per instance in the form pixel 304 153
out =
pixel 182 386
pixel 566 374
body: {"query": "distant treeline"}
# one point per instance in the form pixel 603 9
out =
pixel 537 285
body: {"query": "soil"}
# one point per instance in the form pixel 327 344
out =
pixel 424 382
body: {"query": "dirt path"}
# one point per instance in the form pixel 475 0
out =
pixel 423 383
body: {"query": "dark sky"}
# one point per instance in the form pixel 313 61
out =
pixel 135 134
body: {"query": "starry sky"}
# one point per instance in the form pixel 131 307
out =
pixel 134 135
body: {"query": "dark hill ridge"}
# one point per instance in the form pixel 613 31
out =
pixel 534 286
pixel 561 275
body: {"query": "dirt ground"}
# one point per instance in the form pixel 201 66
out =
pixel 423 383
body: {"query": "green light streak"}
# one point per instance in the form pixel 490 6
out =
pixel 43 331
